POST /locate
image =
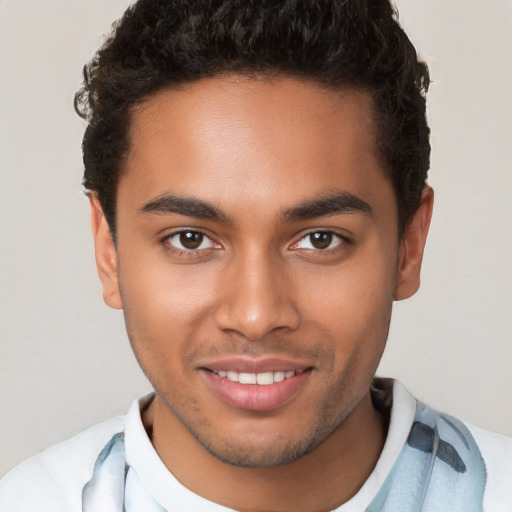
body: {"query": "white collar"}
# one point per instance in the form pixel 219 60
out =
pixel 173 496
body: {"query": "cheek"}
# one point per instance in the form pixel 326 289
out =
pixel 353 304
pixel 350 296
pixel 162 290
pixel 165 308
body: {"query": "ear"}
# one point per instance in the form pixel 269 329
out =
pixel 106 255
pixel 411 247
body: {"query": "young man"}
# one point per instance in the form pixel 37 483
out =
pixel 257 179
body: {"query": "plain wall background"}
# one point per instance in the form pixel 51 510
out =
pixel 65 362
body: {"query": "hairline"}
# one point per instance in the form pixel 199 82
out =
pixel 249 74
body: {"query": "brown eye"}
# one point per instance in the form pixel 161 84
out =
pixel 321 239
pixel 191 239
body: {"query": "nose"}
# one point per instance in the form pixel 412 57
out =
pixel 257 298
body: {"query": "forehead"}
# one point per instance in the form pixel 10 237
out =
pixel 267 140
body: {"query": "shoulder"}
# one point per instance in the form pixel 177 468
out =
pixel 53 479
pixel 496 450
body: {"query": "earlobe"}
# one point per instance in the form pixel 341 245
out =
pixel 106 254
pixel 412 246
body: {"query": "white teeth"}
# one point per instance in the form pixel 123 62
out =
pixel 279 376
pixel 247 378
pixel 262 379
pixel 233 376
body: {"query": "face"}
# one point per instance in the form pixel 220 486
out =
pixel 257 260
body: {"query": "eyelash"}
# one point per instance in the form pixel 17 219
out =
pixel 342 240
pixel 194 252
pixel 188 252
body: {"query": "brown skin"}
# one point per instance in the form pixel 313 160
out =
pixel 257 286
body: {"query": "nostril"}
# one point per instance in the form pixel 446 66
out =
pixel 256 305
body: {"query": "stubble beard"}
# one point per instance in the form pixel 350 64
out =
pixel 328 416
pixel 281 450
pixel 284 449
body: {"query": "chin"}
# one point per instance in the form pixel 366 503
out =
pixel 246 455
pixel 258 449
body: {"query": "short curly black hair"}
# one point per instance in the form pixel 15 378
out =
pixel 160 44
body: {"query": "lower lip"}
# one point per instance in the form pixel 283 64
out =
pixel 253 397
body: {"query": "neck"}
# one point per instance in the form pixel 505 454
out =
pixel 321 480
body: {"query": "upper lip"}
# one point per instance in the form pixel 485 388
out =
pixel 242 364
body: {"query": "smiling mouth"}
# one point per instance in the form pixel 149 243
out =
pixel 256 391
pixel 259 379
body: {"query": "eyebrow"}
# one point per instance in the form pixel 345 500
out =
pixel 331 204
pixel 335 203
pixel 191 207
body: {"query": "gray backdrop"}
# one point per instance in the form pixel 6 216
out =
pixel 65 362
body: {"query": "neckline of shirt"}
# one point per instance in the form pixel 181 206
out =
pixel 142 457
